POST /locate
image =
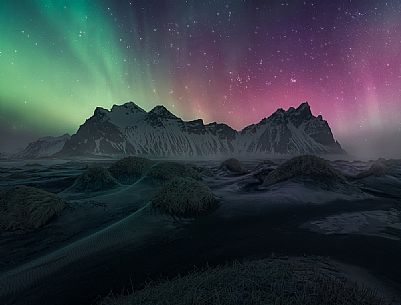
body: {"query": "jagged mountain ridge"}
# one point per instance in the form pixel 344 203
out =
pixel 293 131
pixel 129 130
pixel 43 147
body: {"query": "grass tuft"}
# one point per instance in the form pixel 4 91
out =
pixel 267 282
pixel 184 197
pixel 130 169
pixel 24 209
pixel 94 179
pixel 305 166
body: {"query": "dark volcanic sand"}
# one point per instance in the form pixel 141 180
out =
pixel 227 234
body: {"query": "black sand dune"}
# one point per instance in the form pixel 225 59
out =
pixel 129 238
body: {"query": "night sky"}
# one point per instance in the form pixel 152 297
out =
pixel 227 61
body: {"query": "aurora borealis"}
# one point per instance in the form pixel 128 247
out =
pixel 227 61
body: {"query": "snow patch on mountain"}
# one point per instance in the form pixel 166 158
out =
pixel 43 147
pixel 128 129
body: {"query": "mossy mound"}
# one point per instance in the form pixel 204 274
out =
pixel 263 170
pixel 234 166
pixel 392 163
pixel 184 197
pixel 130 169
pixel 166 171
pixel 261 282
pixel 25 209
pixel 203 171
pixel 309 167
pixel 377 169
pixel 94 179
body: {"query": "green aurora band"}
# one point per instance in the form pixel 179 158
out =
pixel 234 62
pixel 58 58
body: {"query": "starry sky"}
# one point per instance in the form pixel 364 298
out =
pixel 227 61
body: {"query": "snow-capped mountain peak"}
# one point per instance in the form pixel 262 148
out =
pixel 100 111
pixel 290 132
pixel 128 107
pixel 125 115
pixel 129 130
pixel 162 112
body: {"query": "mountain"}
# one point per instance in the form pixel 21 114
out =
pixel 129 130
pixel 43 147
pixel 295 131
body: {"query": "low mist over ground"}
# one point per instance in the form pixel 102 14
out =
pixel 375 144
